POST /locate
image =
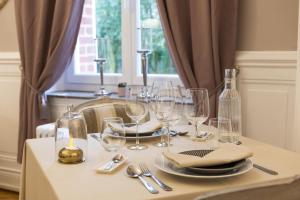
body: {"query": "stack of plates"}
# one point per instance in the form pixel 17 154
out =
pixel 218 171
pixel 144 134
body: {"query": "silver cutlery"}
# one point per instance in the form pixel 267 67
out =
pixel 147 172
pixel 95 137
pixel 116 159
pixel 135 172
pixel 266 170
pixel 180 133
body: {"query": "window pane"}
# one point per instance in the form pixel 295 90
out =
pixel 108 26
pixel 103 19
pixel 152 38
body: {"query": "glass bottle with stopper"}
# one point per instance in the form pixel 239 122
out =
pixel 71 137
pixel 230 107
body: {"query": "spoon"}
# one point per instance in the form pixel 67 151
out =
pixel 180 133
pixel 116 159
pixel 135 172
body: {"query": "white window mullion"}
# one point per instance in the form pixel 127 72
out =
pixel 128 39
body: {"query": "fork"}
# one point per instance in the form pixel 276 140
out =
pixel 147 172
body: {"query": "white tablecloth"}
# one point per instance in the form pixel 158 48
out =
pixel 43 178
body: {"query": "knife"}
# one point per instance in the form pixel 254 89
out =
pixel 266 170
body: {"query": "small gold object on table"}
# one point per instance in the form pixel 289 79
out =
pixel 70 154
pixel 71 138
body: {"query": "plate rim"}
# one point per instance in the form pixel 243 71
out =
pixel 240 162
pixel 195 176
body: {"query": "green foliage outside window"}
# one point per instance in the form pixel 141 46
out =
pixel 153 39
pixel 108 25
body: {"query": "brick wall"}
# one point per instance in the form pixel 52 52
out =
pixel 86 50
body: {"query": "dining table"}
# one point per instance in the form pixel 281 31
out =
pixel 44 178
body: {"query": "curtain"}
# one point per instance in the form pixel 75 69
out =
pixel 47 33
pixel 201 36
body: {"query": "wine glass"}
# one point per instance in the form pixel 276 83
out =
pixel 176 114
pixel 136 110
pixel 113 134
pixel 196 107
pixel 164 101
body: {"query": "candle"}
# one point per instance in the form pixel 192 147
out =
pixel 70 154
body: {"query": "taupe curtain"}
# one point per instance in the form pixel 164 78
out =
pixel 47 34
pixel 201 36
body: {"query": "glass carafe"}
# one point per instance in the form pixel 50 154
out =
pixel 71 138
pixel 230 107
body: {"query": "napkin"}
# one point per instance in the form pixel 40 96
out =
pixel 101 167
pixel 226 153
pixel 149 126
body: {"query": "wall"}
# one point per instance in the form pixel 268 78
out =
pixel 8 33
pixel 9 109
pixel 267 25
pixel 9 103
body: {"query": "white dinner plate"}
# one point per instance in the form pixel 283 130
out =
pixel 166 166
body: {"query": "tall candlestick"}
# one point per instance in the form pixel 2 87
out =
pixel 100 61
pixel 144 64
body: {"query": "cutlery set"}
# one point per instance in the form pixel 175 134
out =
pixel 143 170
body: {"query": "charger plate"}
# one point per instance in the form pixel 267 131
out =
pixel 166 166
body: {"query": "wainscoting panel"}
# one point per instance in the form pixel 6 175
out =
pixel 267 85
pixel 10 77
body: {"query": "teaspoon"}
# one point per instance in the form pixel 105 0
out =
pixel 135 172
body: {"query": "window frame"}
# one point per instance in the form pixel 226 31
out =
pixel 131 72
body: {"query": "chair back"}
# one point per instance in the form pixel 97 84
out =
pixel 94 112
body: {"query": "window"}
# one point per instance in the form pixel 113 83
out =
pixel 122 27
pixel 152 37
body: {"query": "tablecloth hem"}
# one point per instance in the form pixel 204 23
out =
pixel 282 181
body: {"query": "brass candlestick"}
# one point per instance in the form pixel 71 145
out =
pixel 69 155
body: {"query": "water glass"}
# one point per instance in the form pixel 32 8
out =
pixel 196 108
pixel 164 101
pixel 113 134
pixel 221 128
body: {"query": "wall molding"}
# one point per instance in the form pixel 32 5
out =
pixel 266 59
pixel 267 67
pixel 9 172
pixel 9 168
pixel 10 58
pixel 10 64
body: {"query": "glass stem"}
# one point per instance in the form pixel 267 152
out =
pixel 168 134
pixel 137 141
pixel 196 129
pixel 162 137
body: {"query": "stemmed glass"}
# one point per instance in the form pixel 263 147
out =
pixel 113 134
pixel 218 130
pixel 196 107
pixel 163 105
pixel 135 109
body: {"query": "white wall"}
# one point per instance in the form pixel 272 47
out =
pixel 267 85
pixel 9 113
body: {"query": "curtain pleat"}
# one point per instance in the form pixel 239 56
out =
pixel 47 34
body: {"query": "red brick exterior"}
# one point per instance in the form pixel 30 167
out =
pixel 86 50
